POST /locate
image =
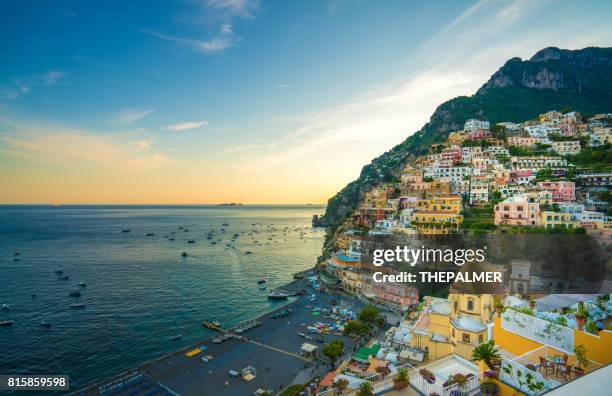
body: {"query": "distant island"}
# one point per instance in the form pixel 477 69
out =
pixel 230 204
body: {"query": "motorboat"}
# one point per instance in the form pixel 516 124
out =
pixel 82 284
pixel 64 277
pixel 6 322
pixel 259 282
pixel 5 307
pixel 277 295
pixel 77 306
pixel 184 254
pixel 44 323
pixel 176 337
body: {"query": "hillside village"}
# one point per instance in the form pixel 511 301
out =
pixel 548 175
pixel 551 174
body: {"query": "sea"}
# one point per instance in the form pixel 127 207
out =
pixel 140 291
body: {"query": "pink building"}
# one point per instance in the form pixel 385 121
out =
pixel 450 156
pixel 398 294
pixel 478 134
pixel 562 191
pixel 522 210
pixel 567 129
pixel 521 176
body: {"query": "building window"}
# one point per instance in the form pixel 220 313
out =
pixel 470 305
pixel 480 339
pixel 466 338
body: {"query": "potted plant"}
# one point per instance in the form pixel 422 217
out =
pixel 487 353
pixel 428 376
pixel 341 385
pixel 489 388
pixel 401 380
pixel 383 371
pixel 365 389
pixel 583 362
pixel 591 327
pixel 581 316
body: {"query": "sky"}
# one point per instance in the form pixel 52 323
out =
pixel 208 101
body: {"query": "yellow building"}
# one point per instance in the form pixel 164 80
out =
pixel 469 318
pixel 436 222
pixel 351 280
pixel 551 219
pixel 453 325
pixel 456 138
pixel 451 203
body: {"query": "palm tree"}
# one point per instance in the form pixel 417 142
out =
pixel 487 353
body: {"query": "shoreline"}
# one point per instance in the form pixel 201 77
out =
pixel 92 388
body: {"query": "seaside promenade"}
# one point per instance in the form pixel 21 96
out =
pixel 273 348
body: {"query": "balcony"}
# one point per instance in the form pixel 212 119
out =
pixel 437 377
pixel 542 370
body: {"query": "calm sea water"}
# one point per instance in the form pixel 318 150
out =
pixel 140 291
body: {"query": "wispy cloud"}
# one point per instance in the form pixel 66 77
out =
pixel 233 8
pixel 213 45
pixel 14 91
pixel 23 85
pixel 128 116
pixel 52 76
pixel 222 13
pixel 58 145
pixel 186 125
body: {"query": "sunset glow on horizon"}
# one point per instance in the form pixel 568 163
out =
pixel 241 101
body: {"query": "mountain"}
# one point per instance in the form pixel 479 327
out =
pixel 520 90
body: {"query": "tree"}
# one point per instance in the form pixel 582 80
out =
pixel 333 350
pixel 341 384
pixel 368 314
pixel 487 353
pixel 365 389
pixel 355 328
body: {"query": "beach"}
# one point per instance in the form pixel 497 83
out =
pixel 272 348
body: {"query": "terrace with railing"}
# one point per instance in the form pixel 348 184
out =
pixel 539 330
pixel 449 376
pixel 543 369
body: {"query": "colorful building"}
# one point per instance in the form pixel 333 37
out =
pixel 522 210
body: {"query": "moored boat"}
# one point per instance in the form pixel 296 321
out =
pixel 77 306
pixel 6 322
pixel 277 295
pixel 176 337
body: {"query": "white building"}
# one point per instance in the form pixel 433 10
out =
pixel 497 150
pixel 473 124
pixel 453 173
pixel 537 163
pixel 566 148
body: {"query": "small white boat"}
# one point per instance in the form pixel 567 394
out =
pixel 176 337
pixel 277 295
pixel 6 307
pixel 82 284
